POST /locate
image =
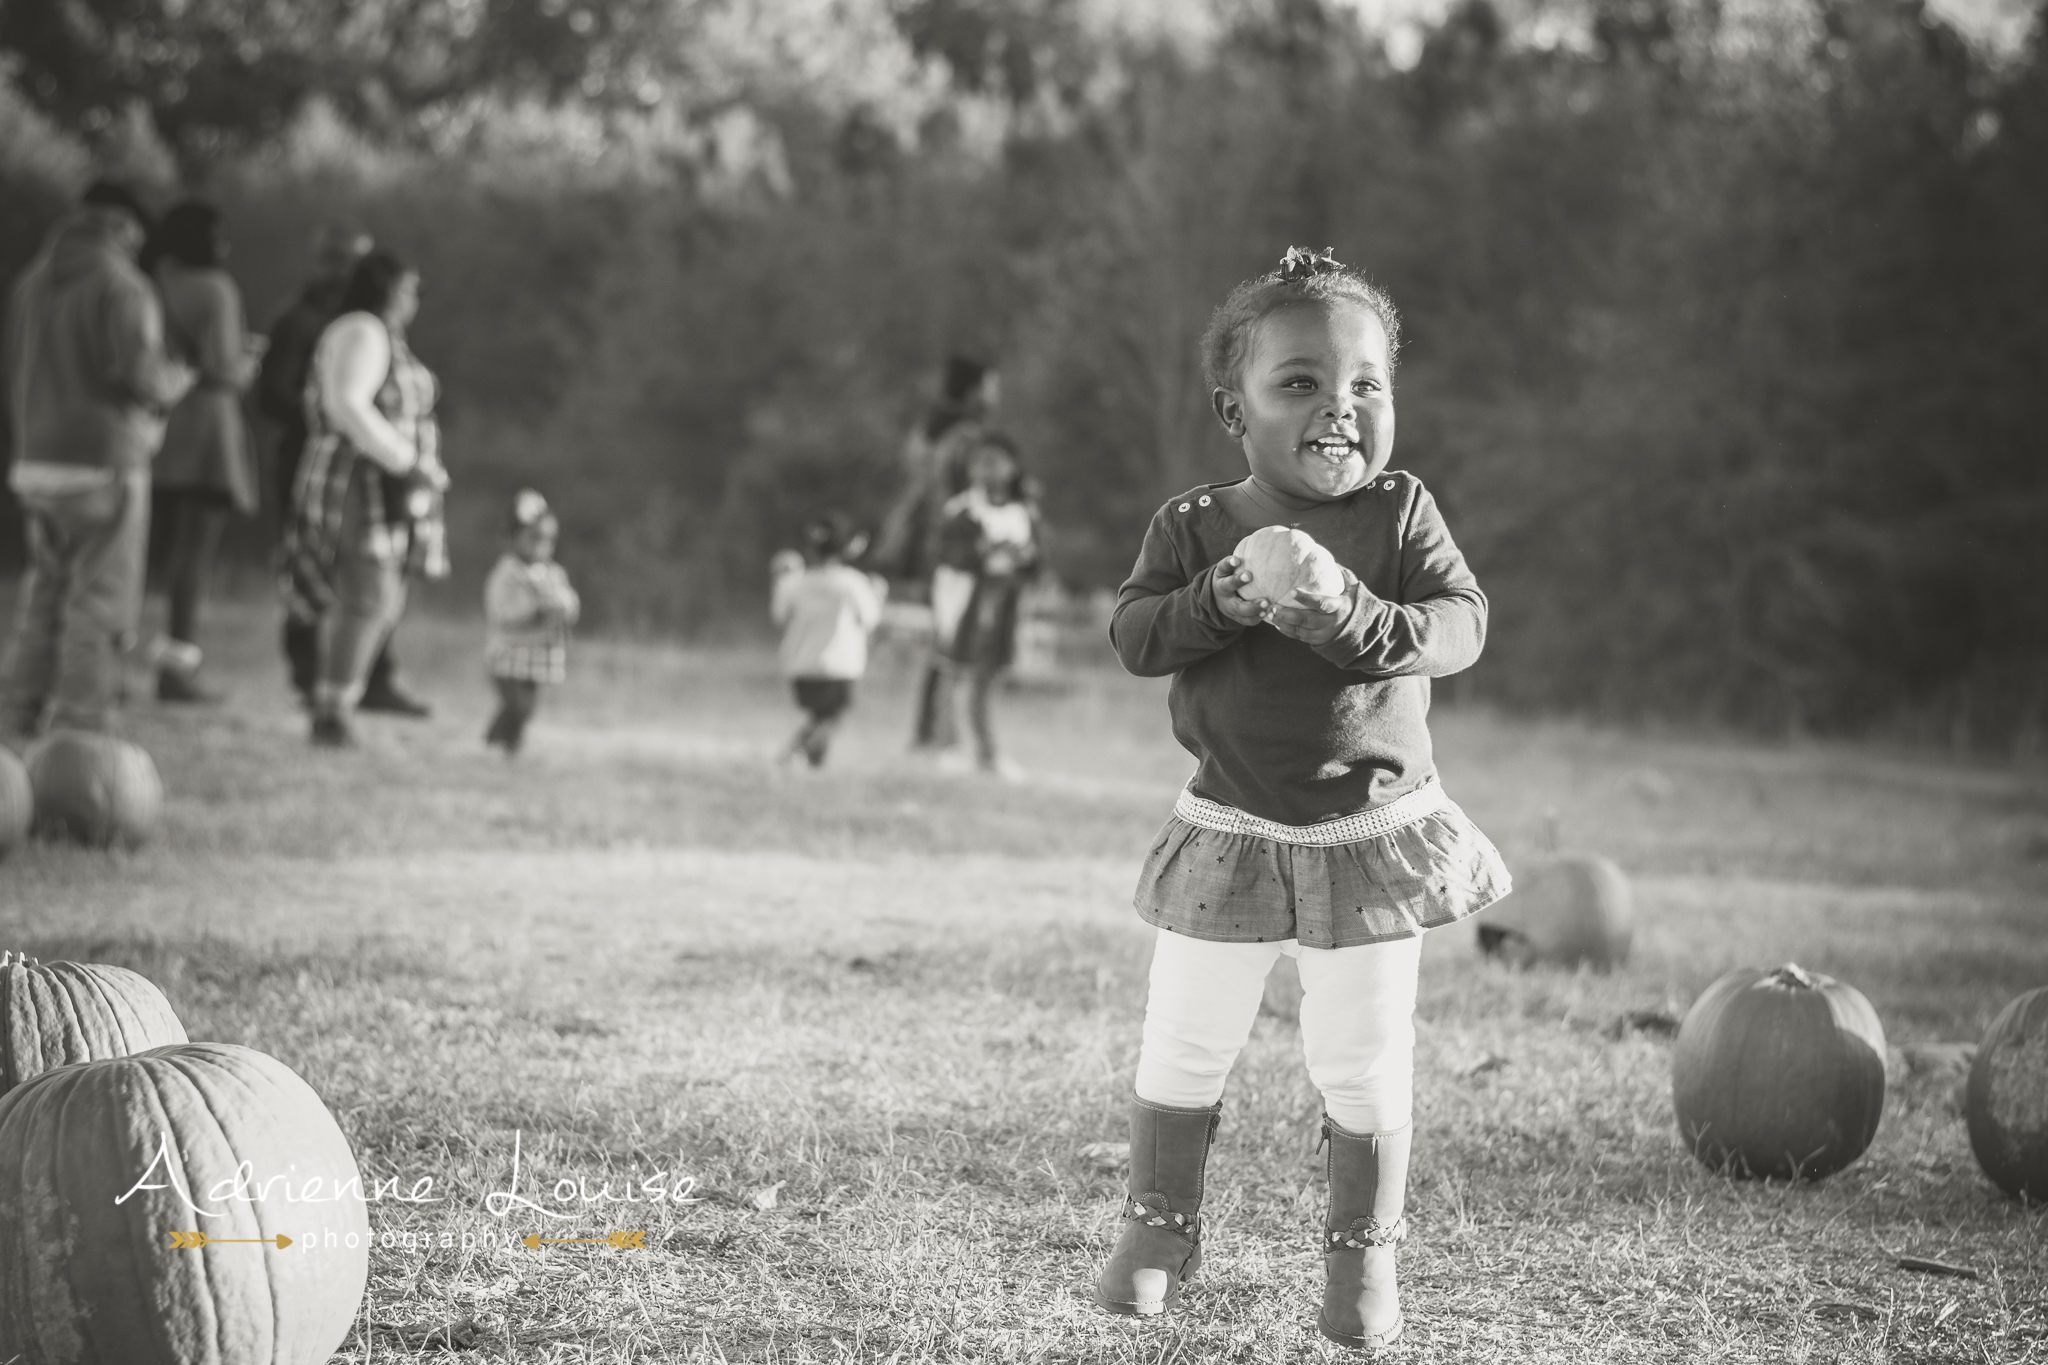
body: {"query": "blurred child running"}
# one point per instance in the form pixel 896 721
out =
pixel 529 607
pixel 827 609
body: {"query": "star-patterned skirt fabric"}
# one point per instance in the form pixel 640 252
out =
pixel 1229 886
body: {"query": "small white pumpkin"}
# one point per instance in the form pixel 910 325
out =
pixel 1284 562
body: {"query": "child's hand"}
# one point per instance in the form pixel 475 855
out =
pixel 1315 621
pixel 1227 581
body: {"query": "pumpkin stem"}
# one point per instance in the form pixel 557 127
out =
pixel 1792 977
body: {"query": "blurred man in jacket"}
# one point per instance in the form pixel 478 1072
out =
pixel 88 383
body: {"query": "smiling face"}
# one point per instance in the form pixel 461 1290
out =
pixel 1314 402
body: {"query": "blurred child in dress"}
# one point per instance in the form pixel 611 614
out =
pixel 826 609
pixel 529 607
pixel 991 536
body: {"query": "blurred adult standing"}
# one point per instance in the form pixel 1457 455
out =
pixel 366 505
pixel 935 472
pixel 205 470
pixel 89 383
pixel 281 397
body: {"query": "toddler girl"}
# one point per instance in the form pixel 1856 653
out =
pixel 1314 825
pixel 827 609
pixel 528 609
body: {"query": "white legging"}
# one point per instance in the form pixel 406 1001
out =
pixel 1357 1023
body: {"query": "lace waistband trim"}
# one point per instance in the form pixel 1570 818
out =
pixel 1425 800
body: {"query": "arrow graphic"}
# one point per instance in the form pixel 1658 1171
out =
pixel 617 1241
pixel 192 1241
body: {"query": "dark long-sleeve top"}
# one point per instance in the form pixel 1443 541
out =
pixel 1283 730
pixel 206 446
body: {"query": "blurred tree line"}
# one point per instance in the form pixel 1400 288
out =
pixel 1728 318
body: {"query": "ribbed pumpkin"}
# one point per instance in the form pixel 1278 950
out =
pixel 75 1012
pixel 1566 909
pixel 90 1278
pixel 2005 1099
pixel 94 789
pixel 1779 1073
pixel 17 802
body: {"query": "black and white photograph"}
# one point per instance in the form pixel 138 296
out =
pixel 768 681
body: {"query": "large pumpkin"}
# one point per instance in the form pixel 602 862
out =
pixel 75 1012
pixel 1779 1073
pixel 17 802
pixel 2005 1099
pixel 94 789
pixel 1567 909
pixel 88 1272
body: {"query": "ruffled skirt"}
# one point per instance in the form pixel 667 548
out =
pixel 1232 887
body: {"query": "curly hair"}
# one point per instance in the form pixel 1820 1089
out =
pixel 374 281
pixel 1227 338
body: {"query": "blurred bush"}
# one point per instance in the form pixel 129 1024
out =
pixel 1726 328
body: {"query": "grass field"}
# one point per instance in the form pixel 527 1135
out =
pixel 877 1013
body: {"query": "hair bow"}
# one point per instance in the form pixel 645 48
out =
pixel 1301 264
pixel 528 507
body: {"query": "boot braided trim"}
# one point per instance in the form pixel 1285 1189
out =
pixel 1367 1232
pixel 1153 1212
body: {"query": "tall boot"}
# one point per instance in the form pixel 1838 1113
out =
pixel 1368 1185
pixel 1160 1247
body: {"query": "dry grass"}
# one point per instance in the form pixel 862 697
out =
pixel 905 1002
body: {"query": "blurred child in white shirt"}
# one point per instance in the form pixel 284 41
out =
pixel 827 609
pixel 528 608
